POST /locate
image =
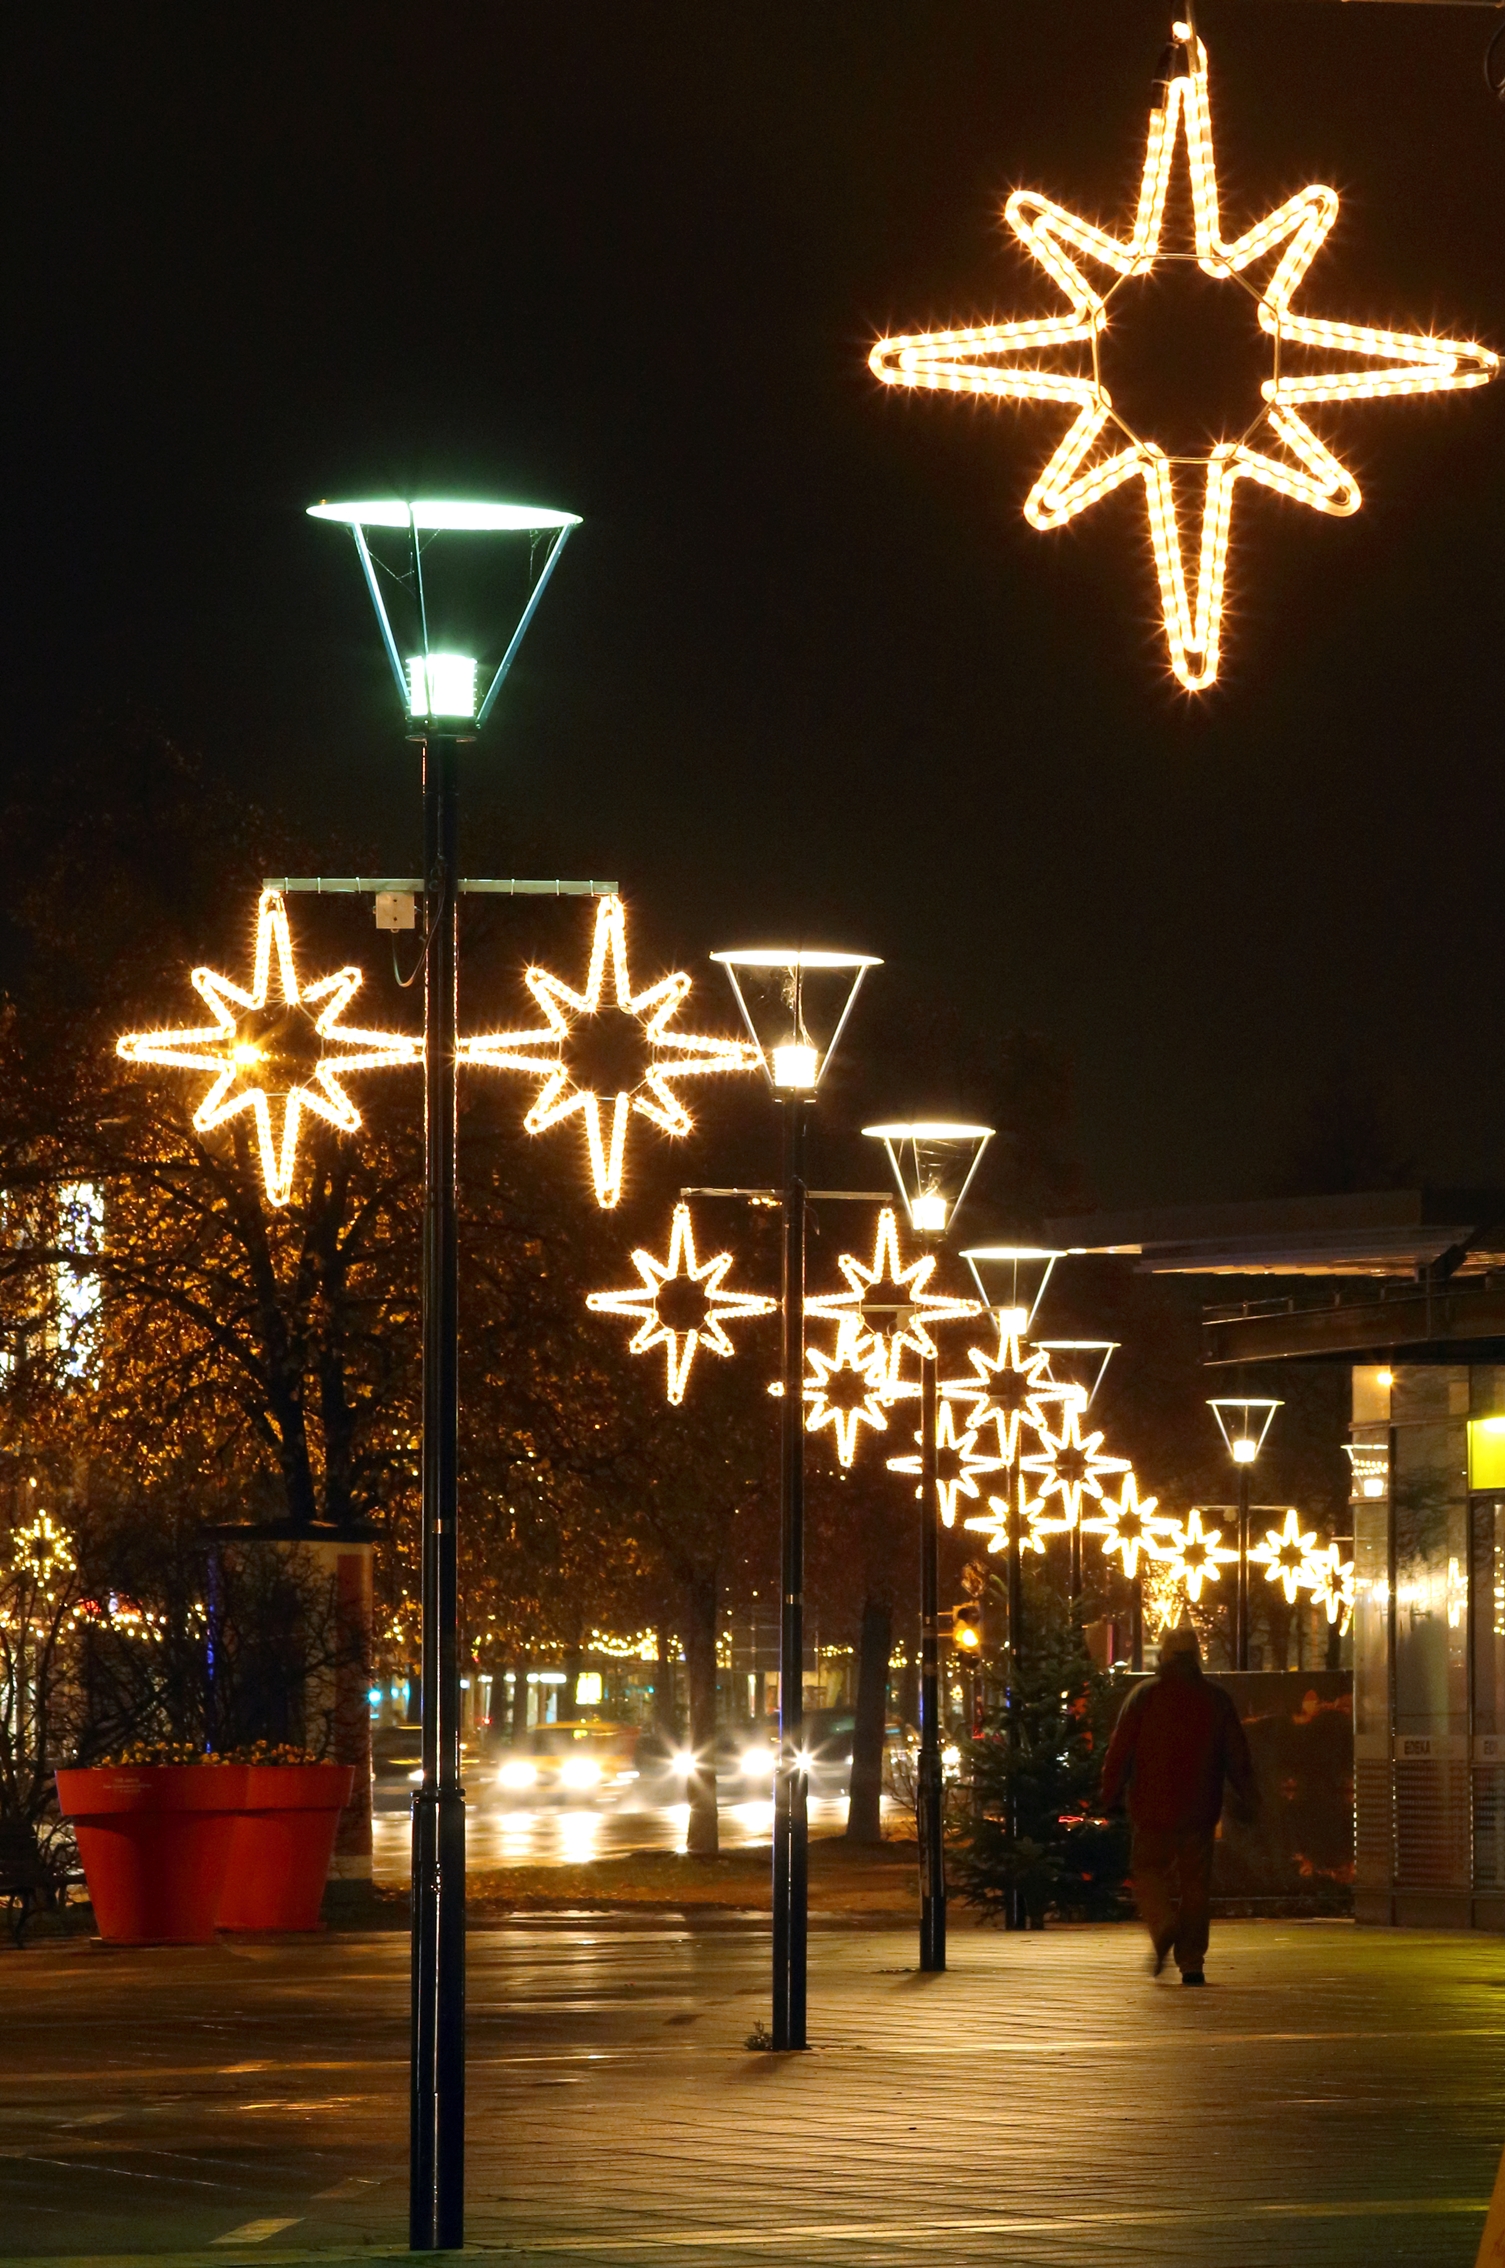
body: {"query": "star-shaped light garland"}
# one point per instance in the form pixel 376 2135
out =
pixel 1128 1527
pixel 43 1552
pixel 956 1463
pixel 845 1389
pixel 665 1055
pixel 1011 1388
pixel 1285 1553
pixel 1100 451
pixel 890 1304
pixel 260 1044
pixel 681 1304
pixel 994 1523
pixel 1330 1579
pixel 1196 1555
pixel 1070 1468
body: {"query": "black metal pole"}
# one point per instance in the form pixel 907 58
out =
pixel 1136 1620
pixel 1241 1615
pixel 790 1810
pixel 1016 1913
pixel 1076 1561
pixel 931 1790
pixel 436 2171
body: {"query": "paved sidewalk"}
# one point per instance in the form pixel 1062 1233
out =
pixel 1334 2097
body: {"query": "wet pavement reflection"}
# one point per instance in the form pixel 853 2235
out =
pixel 565 1835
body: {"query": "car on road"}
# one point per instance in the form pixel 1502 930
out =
pixel 397 1765
pixel 586 1761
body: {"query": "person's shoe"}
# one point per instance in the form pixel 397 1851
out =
pixel 1192 1976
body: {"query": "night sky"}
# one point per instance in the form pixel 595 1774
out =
pixel 804 667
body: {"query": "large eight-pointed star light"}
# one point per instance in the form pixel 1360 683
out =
pixel 681 1304
pixel 1128 1527
pixel 1011 1388
pixel 1197 1555
pixel 1070 1468
pixel 844 1389
pixel 957 1463
pixel 890 1304
pixel 1041 360
pixel 276 1049
pixel 607 1052
pixel 994 1523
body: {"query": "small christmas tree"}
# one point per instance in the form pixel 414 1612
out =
pixel 1035 1841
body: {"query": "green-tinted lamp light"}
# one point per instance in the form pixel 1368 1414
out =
pixel 441 687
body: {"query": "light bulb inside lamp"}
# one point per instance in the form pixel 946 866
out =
pixel 442 685
pixel 928 1212
pixel 795 1065
pixel 1245 1450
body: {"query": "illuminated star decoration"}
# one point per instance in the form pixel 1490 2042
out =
pixel 1070 1468
pixel 890 1303
pixel 1129 1527
pixel 956 1463
pixel 1196 1555
pixel 681 1304
pixel 845 1389
pixel 43 1552
pixel 276 1050
pixel 1012 1388
pixel 1284 1554
pixel 1330 1579
pixel 1039 360
pixel 994 1523
pixel 643 1071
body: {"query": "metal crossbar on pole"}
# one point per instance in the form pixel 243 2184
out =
pixel 381 885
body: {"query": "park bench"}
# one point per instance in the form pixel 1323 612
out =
pixel 29 1876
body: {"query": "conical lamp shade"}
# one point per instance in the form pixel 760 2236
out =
pixel 1243 1422
pixel 452 598
pixel 795 1004
pixel 1012 1278
pixel 1081 1363
pixel 933 1161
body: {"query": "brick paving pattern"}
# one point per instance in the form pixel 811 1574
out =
pixel 1335 2096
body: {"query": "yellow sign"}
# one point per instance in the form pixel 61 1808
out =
pixel 1486 1452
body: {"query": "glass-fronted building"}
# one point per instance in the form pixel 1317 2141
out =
pixel 1412 1303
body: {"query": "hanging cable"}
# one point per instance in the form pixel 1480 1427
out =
pixel 1494 72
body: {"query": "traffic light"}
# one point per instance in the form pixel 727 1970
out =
pixel 966 1628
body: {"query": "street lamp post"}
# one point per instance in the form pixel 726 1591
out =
pixel 1243 1423
pixel 933 1163
pixel 1089 1360
pixel 434 650
pixel 795 1005
pixel 1012 1280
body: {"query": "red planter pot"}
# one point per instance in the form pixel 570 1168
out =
pixel 282 1844
pixel 155 1842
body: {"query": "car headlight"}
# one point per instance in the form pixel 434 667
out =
pixel 804 1759
pixel 580 1772
pixel 683 1763
pixel 758 1763
pixel 951 1759
pixel 517 1774
pixel 415 1779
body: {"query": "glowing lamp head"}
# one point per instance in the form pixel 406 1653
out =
pixel 794 1004
pixel 442 685
pixel 796 1067
pixel 932 1161
pixel 454 583
pixel 1013 1279
pixel 1243 1422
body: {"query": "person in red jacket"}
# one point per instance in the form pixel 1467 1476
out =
pixel 1177 1741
